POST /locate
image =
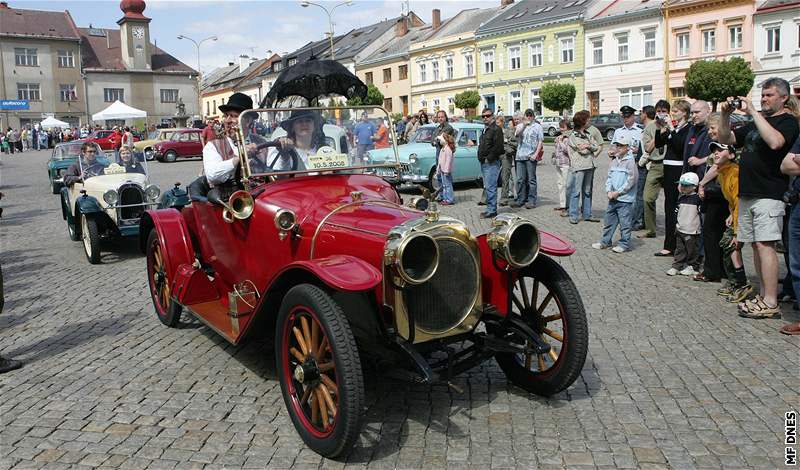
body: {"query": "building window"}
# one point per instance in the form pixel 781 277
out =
pixel 277 66
pixel 597 51
pixel 515 98
pixel 649 44
pixel 773 39
pixel 423 73
pixel 567 50
pixel 677 92
pixel 536 54
pixel 448 68
pixel 387 75
pixel 469 65
pixel 387 104
pixel 169 95
pixel 636 97
pixel 451 106
pixel 735 37
pixel 402 71
pixel 208 108
pixel 368 78
pixel 514 58
pixel 28 91
pixel 488 62
pixel 291 62
pixel 113 94
pixel 435 70
pixel 682 44
pixel 423 104
pixel 26 57
pixel 67 93
pixel 436 105
pixel 709 41
pixel 622 47
pixel 66 59
pixel 536 102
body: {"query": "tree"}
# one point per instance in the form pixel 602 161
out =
pixel 374 98
pixel 467 100
pixel 558 96
pixel 714 81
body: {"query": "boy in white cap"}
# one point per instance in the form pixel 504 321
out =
pixel 687 241
pixel 621 192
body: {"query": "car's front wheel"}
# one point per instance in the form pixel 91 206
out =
pixel 552 132
pixel 168 311
pixel 320 370
pixel 547 301
pixel 149 155
pixel 433 184
pixel 170 156
pixel 91 238
pixel 610 134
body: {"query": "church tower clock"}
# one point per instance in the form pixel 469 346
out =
pixel 134 35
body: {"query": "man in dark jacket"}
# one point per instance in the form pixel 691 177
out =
pixel 490 152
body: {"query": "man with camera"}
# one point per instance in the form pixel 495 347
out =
pixel 764 142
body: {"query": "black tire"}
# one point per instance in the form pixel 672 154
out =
pixel 2 292
pixel 73 229
pixel 91 238
pixel 432 184
pixel 552 132
pixel 55 187
pixel 308 308
pixel 170 156
pixel 548 376
pixel 167 310
pixel 610 134
pixel 149 154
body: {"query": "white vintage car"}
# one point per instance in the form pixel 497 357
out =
pixel 107 203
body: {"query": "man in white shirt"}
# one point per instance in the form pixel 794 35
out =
pixel 221 156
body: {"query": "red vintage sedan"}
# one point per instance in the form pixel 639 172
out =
pixel 183 143
pixel 314 249
pixel 103 139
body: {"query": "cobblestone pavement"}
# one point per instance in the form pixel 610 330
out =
pixel 674 378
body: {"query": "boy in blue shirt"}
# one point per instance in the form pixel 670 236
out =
pixel 621 192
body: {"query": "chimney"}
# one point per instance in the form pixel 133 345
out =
pixel 436 18
pixel 505 3
pixel 401 28
pixel 243 62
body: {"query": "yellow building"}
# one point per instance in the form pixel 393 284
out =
pixel 527 45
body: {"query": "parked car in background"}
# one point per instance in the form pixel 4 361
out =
pixel 182 143
pixel 738 120
pixel 418 157
pixel 550 125
pixel 64 155
pixel 144 148
pixel 103 139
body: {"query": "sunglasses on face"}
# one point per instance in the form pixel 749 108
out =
pixel 91 151
pixel 486 116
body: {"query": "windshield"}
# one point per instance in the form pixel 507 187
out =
pixel 92 165
pixel 307 140
pixel 424 135
pixel 71 151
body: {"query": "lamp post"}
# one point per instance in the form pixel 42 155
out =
pixel 305 4
pixel 197 45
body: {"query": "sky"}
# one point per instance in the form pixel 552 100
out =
pixel 244 27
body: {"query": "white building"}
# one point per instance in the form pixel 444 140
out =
pixel 777 44
pixel 624 59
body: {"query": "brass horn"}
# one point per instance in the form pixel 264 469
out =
pixel 240 206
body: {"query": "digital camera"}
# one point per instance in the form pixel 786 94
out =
pixel 735 103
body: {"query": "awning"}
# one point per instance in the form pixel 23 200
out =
pixel 52 122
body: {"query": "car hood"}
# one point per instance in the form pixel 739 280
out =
pixel 142 144
pixel 382 155
pixel 102 183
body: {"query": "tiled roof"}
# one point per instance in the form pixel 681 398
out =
pixel 37 23
pixel 104 53
pixel 466 21
pixel 398 46
pixel 527 13
pixel 212 77
pixel 772 4
pixel 627 7
pixel 350 44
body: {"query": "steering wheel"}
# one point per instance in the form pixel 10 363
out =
pixel 284 152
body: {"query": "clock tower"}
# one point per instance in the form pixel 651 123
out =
pixel 134 35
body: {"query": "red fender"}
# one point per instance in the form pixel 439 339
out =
pixel 554 245
pixel 173 235
pixel 340 272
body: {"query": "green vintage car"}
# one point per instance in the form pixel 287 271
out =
pixel 418 157
pixel 64 155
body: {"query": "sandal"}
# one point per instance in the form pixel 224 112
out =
pixel 702 278
pixel 744 304
pixel 760 309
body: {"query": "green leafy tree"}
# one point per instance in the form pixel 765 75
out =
pixel 714 81
pixel 374 98
pixel 558 96
pixel 468 101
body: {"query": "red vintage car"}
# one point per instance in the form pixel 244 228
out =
pixel 183 143
pixel 103 139
pixel 317 251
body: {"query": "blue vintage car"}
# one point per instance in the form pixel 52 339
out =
pixel 64 155
pixel 418 157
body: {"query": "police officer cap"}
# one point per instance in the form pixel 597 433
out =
pixel 627 110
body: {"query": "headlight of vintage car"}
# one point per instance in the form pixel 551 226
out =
pixel 111 197
pixel 152 192
pixel 412 158
pixel 414 256
pixel 285 219
pixel 514 239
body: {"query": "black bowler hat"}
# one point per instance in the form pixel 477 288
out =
pixel 286 124
pixel 627 110
pixel 237 102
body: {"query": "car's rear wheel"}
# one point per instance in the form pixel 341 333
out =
pixel 320 370
pixel 432 184
pixel 548 302
pixel 55 187
pixel 552 132
pixel 170 156
pixel 167 309
pixel 91 238
pixel 149 155
pixel 610 134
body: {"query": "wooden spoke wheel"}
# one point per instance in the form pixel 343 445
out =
pixel 320 370
pixel 548 302
pixel 168 311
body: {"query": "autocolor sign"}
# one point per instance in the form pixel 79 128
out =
pixel 14 104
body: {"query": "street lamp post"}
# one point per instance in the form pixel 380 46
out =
pixel 305 4
pixel 197 45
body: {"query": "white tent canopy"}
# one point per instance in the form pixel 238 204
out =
pixel 52 122
pixel 119 110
